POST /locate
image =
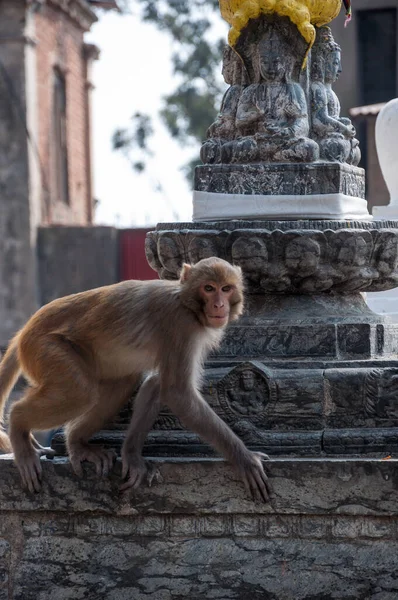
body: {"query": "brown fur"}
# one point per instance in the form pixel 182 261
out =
pixel 84 355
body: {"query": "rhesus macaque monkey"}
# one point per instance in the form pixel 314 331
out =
pixel 84 354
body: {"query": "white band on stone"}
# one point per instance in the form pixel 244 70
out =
pixel 210 206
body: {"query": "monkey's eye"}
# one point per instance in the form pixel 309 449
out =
pixel 227 288
pixel 209 288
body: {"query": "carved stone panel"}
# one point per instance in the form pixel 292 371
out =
pixel 281 179
pixel 297 257
pixel 247 391
pixel 282 341
pixel 381 394
pixel 366 397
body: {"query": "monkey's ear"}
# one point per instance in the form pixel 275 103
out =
pixel 185 273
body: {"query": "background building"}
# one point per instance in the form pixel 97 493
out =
pixel 45 150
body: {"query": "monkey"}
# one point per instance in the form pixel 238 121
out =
pixel 84 354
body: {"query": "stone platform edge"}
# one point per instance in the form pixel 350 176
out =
pixel 365 487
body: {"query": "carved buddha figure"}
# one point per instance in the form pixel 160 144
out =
pixel 247 399
pixel 271 118
pixel 217 147
pixel 334 134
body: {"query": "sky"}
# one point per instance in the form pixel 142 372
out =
pixel 132 74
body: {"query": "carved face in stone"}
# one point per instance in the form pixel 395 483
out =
pixel 232 67
pixel 272 66
pixel 333 65
pixel 247 381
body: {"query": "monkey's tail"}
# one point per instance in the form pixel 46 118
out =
pixel 9 373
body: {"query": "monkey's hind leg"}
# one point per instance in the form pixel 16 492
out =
pixel 44 407
pixel 112 396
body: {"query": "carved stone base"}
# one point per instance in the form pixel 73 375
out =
pixel 287 257
pixel 276 179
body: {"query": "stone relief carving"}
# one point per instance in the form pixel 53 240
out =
pixel 334 134
pixel 271 118
pixel 381 394
pixel 303 261
pixel 166 420
pixel 219 146
pixel 281 179
pixel 246 391
pixel 264 115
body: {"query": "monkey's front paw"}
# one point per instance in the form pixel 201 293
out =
pixel 30 470
pixel 255 478
pixel 137 471
pixel 102 459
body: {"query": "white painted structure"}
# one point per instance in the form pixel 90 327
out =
pixel 209 206
pixel 387 151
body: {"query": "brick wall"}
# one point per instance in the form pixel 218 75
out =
pixel 60 45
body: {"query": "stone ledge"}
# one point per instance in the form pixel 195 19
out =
pixel 331 533
pixel 324 486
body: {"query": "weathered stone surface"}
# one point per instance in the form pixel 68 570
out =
pixel 360 441
pixel 335 135
pixel 199 487
pixel 220 568
pixel 331 532
pixel 281 179
pixel 347 340
pixel 300 257
pixel 284 408
pixel 264 114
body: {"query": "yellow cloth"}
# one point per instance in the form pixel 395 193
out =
pixel 303 13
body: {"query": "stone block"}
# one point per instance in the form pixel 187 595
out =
pixel 354 340
pixel 361 441
pixel 294 179
pixel 332 525
pixel 279 341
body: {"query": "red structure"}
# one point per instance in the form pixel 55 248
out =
pixel 133 264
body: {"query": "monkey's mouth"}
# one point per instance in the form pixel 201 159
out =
pixel 217 318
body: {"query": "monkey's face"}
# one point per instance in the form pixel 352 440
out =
pixel 216 303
